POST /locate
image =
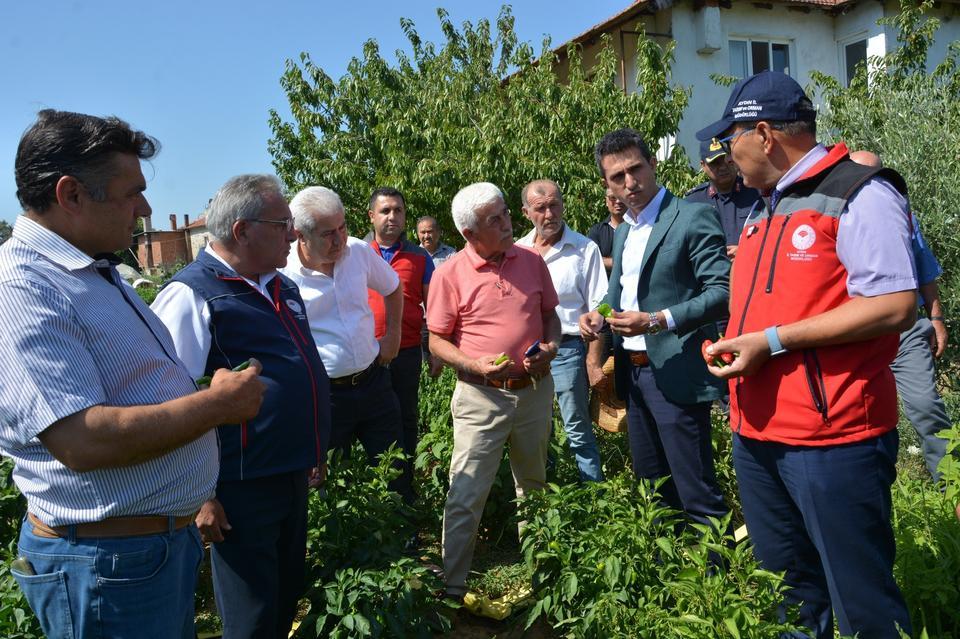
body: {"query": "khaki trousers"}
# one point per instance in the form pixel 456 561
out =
pixel 484 419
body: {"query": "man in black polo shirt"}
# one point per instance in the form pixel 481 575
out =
pixel 602 232
pixel 724 191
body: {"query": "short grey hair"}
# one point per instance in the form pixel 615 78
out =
pixel 242 198
pixel 313 201
pixel 469 199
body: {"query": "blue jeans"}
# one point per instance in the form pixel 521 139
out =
pixel 113 587
pixel 821 514
pixel 570 383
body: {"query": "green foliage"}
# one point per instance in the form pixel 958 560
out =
pixel 362 586
pixel 949 466
pixel 608 560
pixel 395 601
pixel 17 621
pixel 928 555
pixel 5 231
pixel 357 520
pixel 478 107
pixel 911 118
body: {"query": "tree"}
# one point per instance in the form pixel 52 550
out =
pixel 5 231
pixel 479 107
pixel 911 118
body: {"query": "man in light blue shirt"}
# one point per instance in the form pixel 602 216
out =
pixel 111 442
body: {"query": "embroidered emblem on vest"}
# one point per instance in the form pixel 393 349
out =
pixel 804 237
pixel 294 306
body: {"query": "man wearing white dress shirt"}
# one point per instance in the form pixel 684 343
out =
pixel 576 268
pixel 334 272
pixel 668 285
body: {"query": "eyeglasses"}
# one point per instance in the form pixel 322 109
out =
pixel 726 144
pixel 287 223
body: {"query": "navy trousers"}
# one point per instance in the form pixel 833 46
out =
pixel 822 515
pixel 673 440
pixel 258 569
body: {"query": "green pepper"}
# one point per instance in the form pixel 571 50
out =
pixel 500 360
pixel 605 309
pixel 206 379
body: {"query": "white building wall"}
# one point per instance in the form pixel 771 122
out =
pixel 812 47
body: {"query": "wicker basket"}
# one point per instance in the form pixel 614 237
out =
pixel 606 409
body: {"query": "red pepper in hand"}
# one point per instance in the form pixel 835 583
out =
pixel 719 360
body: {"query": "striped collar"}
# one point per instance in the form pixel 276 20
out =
pixel 50 245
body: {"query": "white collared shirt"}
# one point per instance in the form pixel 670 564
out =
pixel 187 316
pixel 337 308
pixel 576 268
pixel 641 224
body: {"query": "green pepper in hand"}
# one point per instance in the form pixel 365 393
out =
pixel 605 309
pixel 206 379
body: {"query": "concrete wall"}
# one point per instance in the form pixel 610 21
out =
pixel 199 238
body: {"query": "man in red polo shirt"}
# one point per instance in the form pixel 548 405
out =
pixel 388 214
pixel 490 303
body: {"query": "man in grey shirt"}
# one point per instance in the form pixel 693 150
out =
pixel 111 442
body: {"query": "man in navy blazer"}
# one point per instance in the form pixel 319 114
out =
pixel 669 284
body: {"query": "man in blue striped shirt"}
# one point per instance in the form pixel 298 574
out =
pixel 112 444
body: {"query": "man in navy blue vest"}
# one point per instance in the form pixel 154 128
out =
pixel 227 306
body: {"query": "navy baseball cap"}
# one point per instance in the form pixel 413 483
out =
pixel 770 96
pixel 710 150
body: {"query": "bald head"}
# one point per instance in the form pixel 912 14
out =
pixel 866 158
pixel 539 187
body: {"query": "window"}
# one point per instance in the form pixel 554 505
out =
pixel 753 56
pixel 852 53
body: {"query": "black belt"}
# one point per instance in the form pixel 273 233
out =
pixel 357 378
pixel 570 338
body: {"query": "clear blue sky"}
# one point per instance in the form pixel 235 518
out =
pixel 201 76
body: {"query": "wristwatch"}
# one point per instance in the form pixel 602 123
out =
pixel 653 324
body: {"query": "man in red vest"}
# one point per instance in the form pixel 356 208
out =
pixel 823 283
pixel 388 214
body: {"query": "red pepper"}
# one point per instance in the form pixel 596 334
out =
pixel 703 351
pixel 720 360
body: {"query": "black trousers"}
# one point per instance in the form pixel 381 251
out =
pixel 369 412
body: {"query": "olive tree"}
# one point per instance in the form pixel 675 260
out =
pixel 910 116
